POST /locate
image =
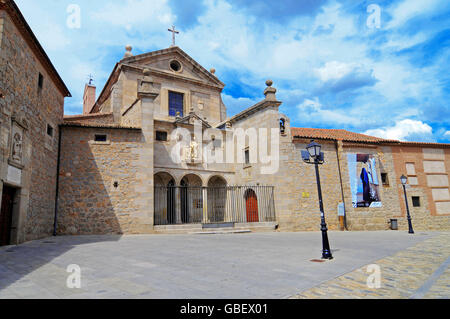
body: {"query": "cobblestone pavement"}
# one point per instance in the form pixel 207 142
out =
pixel 242 266
pixel 421 271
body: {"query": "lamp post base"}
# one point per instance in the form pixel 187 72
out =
pixel 326 251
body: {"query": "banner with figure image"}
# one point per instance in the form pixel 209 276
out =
pixel 364 182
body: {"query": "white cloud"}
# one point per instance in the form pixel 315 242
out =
pixel 334 70
pixel 236 105
pixel 404 130
pixel 447 135
pixel 311 110
pixel 409 9
pixel 136 13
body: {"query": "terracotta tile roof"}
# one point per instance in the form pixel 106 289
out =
pixel 85 116
pixel 440 145
pixel 347 136
pixel 335 134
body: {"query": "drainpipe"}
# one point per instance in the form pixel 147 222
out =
pixel 57 180
pixel 342 187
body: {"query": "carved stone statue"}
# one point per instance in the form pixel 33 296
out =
pixel 17 148
pixel 191 152
pixel 194 149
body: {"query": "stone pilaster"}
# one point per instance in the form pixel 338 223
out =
pixel 144 186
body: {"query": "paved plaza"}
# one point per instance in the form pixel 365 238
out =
pixel 254 265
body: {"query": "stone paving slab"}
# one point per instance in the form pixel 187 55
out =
pixel 256 265
pixel 421 271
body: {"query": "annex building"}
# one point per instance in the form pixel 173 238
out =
pixel 156 152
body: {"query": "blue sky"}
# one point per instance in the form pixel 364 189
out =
pixel 335 64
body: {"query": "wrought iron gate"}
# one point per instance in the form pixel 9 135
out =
pixel 231 204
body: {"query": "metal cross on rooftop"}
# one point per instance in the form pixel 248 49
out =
pixel 174 32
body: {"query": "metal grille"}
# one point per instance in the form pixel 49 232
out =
pixel 208 205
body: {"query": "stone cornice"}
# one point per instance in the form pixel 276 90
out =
pixel 169 75
pixel 178 50
pixel 253 109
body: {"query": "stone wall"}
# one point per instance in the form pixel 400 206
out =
pixel 421 183
pixel 32 108
pixel 90 202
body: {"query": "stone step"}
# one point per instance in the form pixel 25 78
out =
pixel 221 231
pixel 216 228
pixel 218 225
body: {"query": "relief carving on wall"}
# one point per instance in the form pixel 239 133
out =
pixel 17 147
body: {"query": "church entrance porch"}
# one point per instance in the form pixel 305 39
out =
pixel 177 205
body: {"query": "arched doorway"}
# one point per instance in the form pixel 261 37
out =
pixel 251 204
pixel 164 199
pixel 191 197
pixel 217 199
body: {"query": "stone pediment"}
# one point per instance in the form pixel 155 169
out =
pixel 191 119
pixel 174 62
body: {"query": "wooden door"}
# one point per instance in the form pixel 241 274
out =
pixel 6 215
pixel 252 207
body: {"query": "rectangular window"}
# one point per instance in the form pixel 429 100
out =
pixel 416 201
pixel 385 179
pixel 40 81
pixel 247 157
pixel 101 138
pixel 161 136
pixel 49 130
pixel 175 103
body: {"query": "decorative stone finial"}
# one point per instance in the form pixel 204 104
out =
pixel 270 91
pixel 213 71
pixel 128 52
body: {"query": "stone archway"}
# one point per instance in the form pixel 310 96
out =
pixel 217 199
pixel 191 198
pixel 164 199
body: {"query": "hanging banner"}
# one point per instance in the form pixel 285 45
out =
pixel 364 182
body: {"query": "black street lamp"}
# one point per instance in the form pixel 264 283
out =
pixel 404 179
pixel 313 151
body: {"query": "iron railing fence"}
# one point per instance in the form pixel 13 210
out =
pixel 208 205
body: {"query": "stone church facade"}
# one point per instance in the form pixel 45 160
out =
pixel 157 153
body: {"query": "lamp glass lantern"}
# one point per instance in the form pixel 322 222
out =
pixel 314 149
pixel 403 179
